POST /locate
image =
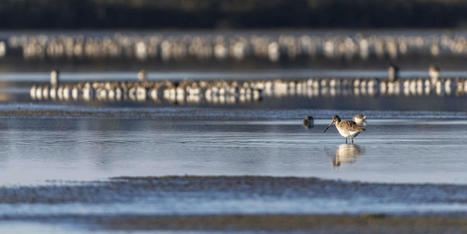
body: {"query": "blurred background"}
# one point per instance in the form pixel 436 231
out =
pixel 135 34
pixel 291 41
pixel 231 14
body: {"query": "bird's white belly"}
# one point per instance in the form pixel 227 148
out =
pixel 347 133
pixel 344 133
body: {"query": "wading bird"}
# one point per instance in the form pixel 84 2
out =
pixel 308 122
pixel 347 128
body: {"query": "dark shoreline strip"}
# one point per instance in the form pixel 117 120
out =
pixel 205 188
pixel 289 222
pixel 365 223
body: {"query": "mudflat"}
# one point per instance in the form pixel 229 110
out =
pixel 222 203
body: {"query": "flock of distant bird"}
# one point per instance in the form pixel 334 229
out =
pixel 274 46
pixel 240 91
pixel 185 91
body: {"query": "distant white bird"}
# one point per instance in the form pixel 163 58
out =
pixel 54 77
pixel 434 73
pixel 360 119
pixel 142 75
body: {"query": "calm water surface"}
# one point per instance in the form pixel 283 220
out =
pixel 34 151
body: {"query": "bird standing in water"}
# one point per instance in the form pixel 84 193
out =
pixel 347 128
pixel 393 73
pixel 308 122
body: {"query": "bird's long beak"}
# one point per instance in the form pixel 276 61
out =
pixel 329 126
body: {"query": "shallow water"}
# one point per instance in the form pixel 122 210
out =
pixel 394 151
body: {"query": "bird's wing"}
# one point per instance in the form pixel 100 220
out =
pixel 352 126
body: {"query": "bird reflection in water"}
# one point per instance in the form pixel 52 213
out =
pixel 346 153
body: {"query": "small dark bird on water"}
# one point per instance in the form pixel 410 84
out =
pixel 308 122
pixel 393 72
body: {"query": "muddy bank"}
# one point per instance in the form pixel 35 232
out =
pixel 365 223
pixel 239 203
pixel 236 188
pixel 368 223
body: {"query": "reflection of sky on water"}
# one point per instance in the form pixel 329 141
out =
pixel 244 74
pixel 35 150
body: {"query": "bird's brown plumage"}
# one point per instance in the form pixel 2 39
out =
pixel 350 125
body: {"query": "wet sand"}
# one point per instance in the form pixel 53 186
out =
pixel 279 192
pixel 365 223
pixel 210 188
pixel 204 195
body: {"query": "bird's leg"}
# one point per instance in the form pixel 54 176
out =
pixel 346 140
pixel 352 140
